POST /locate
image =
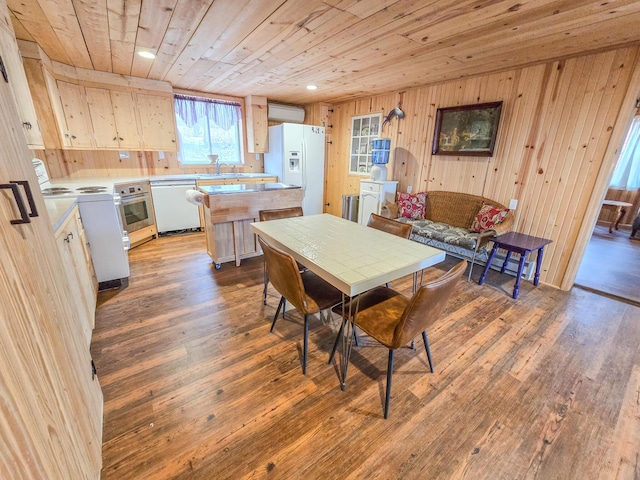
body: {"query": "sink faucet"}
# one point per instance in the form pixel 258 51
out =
pixel 218 167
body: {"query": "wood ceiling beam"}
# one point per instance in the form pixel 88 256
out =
pixel 93 18
pixel 123 17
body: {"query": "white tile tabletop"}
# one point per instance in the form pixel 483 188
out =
pixel 352 257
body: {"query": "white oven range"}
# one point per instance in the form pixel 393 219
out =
pixel 99 209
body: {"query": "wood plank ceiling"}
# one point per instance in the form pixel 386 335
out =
pixel 348 48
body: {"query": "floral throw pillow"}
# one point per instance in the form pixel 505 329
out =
pixel 487 217
pixel 412 205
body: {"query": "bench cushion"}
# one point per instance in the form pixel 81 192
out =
pixel 442 232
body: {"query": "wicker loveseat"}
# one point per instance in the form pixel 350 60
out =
pixel 447 224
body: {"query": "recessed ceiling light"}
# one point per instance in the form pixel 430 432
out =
pixel 312 87
pixel 145 54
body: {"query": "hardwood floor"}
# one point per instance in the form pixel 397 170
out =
pixel 611 264
pixel 196 387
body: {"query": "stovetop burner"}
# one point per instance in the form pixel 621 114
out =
pixel 56 191
pixel 92 189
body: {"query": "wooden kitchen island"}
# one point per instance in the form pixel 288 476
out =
pixel 229 209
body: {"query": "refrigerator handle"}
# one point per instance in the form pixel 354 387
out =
pixel 304 164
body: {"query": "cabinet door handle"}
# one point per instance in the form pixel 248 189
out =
pixel 3 71
pixel 27 190
pixel 69 237
pixel 18 197
pixel 115 138
pixel 27 125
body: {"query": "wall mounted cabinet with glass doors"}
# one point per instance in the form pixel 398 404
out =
pixel 364 129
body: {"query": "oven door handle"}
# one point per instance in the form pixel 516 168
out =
pixel 133 199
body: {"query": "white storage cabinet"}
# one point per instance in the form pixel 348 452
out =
pixel 374 194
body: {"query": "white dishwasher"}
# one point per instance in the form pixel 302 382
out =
pixel 173 211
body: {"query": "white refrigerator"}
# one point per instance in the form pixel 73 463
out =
pixel 296 156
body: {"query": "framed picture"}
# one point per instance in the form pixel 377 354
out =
pixel 467 130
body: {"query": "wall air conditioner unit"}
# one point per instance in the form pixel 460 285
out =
pixel 279 112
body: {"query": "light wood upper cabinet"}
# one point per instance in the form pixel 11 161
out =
pixel 257 124
pixel 124 111
pixel 17 80
pixel 113 119
pixel 157 122
pixel 74 120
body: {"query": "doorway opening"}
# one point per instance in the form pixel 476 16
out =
pixel 611 262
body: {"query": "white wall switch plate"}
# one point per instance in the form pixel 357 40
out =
pixel 161 155
pixel 513 204
pixel 409 188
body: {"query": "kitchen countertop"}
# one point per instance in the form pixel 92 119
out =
pixel 206 176
pixel 111 182
pixel 58 210
pixel 245 188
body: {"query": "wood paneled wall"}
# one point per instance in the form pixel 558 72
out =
pixel 561 125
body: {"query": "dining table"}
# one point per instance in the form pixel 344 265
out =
pixel 351 257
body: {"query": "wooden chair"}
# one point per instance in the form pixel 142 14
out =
pixel 277 214
pixel 307 292
pixel 390 226
pixel 395 320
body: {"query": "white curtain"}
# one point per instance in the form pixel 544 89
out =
pixel 201 121
pixel 627 173
pixel 191 110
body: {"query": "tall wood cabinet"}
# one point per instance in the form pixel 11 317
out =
pixel 51 415
pixel 257 124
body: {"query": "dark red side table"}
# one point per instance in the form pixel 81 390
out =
pixel 514 242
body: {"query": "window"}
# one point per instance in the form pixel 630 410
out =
pixel 208 127
pixel 627 173
pixel 364 129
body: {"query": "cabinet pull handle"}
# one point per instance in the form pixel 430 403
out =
pixel 27 125
pixel 18 197
pixel 94 370
pixel 115 138
pixel 74 137
pixel 27 190
pixel 69 237
pixel 3 71
pixel 120 138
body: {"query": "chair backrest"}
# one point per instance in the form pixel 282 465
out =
pixel 426 305
pixel 285 277
pixel 279 213
pixel 390 226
